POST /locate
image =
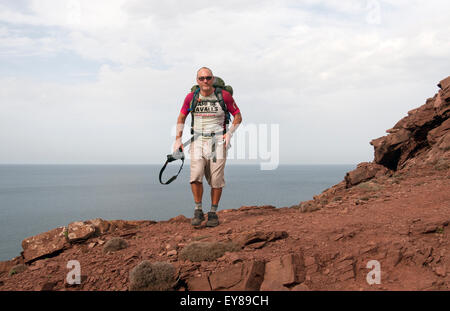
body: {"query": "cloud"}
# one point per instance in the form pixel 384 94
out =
pixel 320 68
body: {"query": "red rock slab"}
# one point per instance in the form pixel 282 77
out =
pixel 79 230
pixel 364 171
pixel 260 236
pixel 239 277
pixel 249 208
pixel 44 244
pixel 198 284
pixel 284 271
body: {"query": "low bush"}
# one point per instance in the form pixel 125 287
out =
pixel 148 276
pixel 207 251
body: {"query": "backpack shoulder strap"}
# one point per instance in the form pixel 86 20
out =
pixel 192 105
pixel 194 100
pixel 218 91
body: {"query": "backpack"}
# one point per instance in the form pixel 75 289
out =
pixel 219 85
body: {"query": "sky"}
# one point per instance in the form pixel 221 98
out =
pixel 102 82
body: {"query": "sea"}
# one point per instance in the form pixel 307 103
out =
pixel 38 198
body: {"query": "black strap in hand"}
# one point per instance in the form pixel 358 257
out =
pixel 177 155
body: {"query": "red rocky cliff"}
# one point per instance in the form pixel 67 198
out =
pixel 394 210
pixel 422 136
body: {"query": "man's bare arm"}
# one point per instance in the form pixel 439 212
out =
pixel 180 125
pixel 179 132
pixel 236 122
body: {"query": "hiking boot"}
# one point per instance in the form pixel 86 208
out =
pixel 213 219
pixel 198 217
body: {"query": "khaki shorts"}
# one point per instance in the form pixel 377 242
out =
pixel 202 162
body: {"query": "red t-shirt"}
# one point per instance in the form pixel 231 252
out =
pixel 227 98
pixel 208 114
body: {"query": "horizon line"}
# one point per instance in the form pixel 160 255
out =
pixel 228 164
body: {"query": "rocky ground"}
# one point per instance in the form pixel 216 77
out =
pixel 394 210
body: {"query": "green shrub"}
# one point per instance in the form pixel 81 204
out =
pixel 207 251
pixel 148 276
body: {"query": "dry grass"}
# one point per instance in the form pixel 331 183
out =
pixel 148 276
pixel 369 186
pixel 207 251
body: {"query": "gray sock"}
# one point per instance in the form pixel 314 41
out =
pixel 214 207
pixel 198 205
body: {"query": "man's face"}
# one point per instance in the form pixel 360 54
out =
pixel 205 80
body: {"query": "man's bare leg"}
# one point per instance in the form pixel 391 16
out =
pixel 197 191
pixel 215 195
pixel 213 220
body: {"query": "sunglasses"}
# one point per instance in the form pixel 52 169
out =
pixel 203 78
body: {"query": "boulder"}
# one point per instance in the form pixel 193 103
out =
pixel 77 231
pixel 364 172
pixel 421 116
pixel 115 244
pixel 198 284
pixel 101 226
pixel 286 271
pixel 44 244
pixel 388 148
pixel 444 84
pixel 443 108
pixel 239 277
pixel 438 133
pixel 260 237
pixel 424 130
pixel 442 102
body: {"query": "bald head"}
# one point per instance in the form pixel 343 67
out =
pixel 205 70
pixel 205 81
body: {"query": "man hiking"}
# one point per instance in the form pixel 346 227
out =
pixel 209 106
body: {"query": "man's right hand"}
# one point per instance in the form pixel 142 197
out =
pixel 177 145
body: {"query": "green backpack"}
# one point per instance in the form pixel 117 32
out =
pixel 219 85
